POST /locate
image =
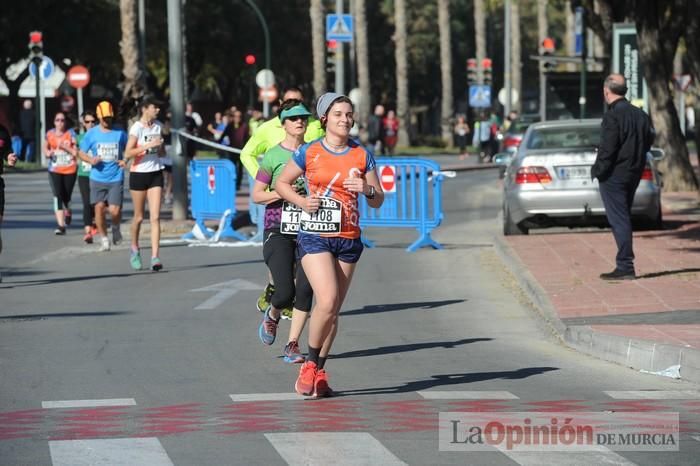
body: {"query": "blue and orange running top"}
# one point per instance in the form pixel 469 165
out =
pixel 325 172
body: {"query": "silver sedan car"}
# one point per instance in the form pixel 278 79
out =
pixel 548 181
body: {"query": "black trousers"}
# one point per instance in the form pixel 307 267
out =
pixel 88 209
pixel 279 252
pixel 617 198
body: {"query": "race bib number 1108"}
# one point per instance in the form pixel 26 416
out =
pixel 327 219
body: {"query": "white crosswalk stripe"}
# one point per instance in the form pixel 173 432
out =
pixel 466 395
pixel 88 403
pixel 653 394
pixel 601 456
pixel 336 448
pixel 266 397
pixel 109 452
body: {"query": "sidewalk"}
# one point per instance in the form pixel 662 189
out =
pixel 652 323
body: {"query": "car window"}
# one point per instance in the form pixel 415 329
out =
pixel 564 138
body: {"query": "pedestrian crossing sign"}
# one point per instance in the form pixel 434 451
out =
pixel 479 96
pixel 339 28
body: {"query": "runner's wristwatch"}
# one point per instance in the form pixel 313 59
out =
pixel 372 192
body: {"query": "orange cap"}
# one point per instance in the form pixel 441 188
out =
pixel 104 109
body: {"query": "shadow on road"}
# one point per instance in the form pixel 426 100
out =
pixel 668 272
pixel 450 379
pixel 62 315
pixel 408 347
pixel 80 278
pixel 376 308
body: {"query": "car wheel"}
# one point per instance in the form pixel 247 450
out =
pixel 510 228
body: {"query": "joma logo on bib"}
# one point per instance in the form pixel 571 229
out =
pixel 327 219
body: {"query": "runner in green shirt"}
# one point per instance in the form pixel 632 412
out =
pixel 271 133
pixel 265 137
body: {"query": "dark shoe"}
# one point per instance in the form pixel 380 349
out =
pixel 618 275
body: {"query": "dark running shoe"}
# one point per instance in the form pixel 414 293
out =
pixel 618 275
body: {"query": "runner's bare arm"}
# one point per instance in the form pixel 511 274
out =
pixel 262 196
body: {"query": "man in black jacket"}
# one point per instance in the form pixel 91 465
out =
pixel 626 138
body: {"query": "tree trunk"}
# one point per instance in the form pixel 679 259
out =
pixel 445 71
pixel 362 51
pixel 569 40
pixel 657 45
pixel 402 100
pixel 692 33
pixel 480 38
pixel 516 65
pixel 318 46
pixel 185 68
pixel 133 86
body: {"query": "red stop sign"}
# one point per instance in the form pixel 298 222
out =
pixel 387 178
pixel 78 76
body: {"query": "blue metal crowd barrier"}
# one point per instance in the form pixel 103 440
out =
pixel 415 201
pixel 213 197
pixel 256 213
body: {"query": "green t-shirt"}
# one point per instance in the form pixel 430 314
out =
pixel 270 169
pixel 268 135
pixel 83 167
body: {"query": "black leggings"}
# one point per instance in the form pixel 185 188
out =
pixel 280 257
pixel 88 209
pixel 62 187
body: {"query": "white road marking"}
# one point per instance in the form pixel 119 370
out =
pixel 224 291
pixel 695 437
pixel 336 448
pixel 653 394
pixel 467 395
pixel 109 452
pixel 266 397
pixel 88 403
pixel 593 456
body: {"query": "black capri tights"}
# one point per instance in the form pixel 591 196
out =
pixel 62 187
pixel 279 252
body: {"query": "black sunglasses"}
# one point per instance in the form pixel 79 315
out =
pixel 89 122
pixel 297 117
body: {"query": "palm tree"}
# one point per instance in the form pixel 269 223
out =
pixel 133 79
pixel 362 51
pixel 480 37
pixel 445 70
pixel 515 56
pixel 318 46
pixel 402 102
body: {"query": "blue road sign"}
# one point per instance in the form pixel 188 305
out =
pixel 47 68
pixel 339 27
pixel 479 96
pixel 578 31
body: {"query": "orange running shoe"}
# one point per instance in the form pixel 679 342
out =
pixel 321 388
pixel 307 376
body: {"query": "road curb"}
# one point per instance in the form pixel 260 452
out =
pixel 642 355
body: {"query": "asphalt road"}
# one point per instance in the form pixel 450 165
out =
pixel 103 365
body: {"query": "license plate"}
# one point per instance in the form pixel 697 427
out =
pixel 573 173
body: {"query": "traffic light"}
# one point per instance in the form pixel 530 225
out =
pixel 250 59
pixel 331 49
pixel 471 71
pixel 548 47
pixel 36 46
pixel 487 67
